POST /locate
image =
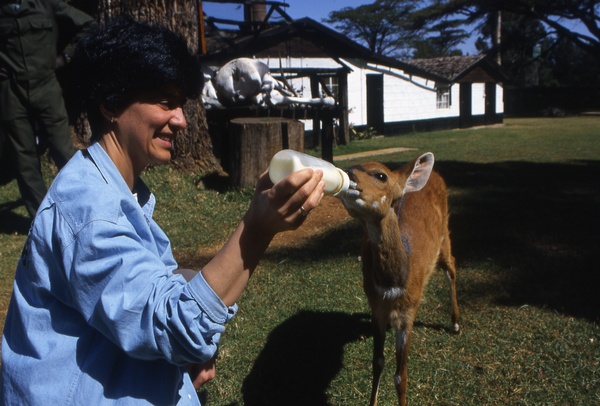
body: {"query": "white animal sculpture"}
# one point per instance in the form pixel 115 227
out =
pixel 247 82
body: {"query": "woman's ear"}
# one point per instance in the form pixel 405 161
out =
pixel 107 114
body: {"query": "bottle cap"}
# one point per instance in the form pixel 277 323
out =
pixel 343 189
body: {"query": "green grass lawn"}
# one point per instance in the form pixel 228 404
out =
pixel 524 200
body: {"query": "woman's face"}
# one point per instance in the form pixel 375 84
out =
pixel 147 128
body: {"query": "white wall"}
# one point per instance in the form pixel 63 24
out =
pixel 499 99
pixel 405 97
pixel 478 99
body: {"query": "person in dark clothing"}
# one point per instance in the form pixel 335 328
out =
pixel 31 102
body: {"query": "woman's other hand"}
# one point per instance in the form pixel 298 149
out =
pixel 202 373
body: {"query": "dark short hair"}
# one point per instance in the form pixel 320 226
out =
pixel 126 59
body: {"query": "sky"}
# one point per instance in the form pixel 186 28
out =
pixel 320 9
pixel 315 9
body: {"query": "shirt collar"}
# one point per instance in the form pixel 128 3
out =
pixel 112 176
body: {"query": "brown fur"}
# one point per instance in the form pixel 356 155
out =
pixel 406 236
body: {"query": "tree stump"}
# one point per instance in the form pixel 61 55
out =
pixel 253 142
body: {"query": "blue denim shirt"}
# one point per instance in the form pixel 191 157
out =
pixel 97 315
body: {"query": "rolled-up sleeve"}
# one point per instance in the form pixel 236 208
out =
pixel 209 302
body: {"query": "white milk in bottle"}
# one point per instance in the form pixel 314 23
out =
pixel 288 161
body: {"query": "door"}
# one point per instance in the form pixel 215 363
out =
pixel 466 105
pixel 375 117
pixel 490 103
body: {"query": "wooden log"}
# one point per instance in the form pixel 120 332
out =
pixel 327 136
pixel 254 140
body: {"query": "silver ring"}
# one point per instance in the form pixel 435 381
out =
pixel 303 211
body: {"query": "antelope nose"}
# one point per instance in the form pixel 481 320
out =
pixel 351 175
pixel 353 189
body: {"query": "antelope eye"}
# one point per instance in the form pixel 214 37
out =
pixel 381 176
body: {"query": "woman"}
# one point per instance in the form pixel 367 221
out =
pixel 99 314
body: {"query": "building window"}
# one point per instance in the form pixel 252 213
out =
pixel 443 97
pixel 332 84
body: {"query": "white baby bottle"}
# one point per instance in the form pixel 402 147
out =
pixel 288 161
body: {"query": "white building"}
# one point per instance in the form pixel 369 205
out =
pixel 371 91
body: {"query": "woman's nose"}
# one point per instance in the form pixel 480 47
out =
pixel 178 118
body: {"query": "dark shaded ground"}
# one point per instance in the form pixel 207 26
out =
pixel 301 358
pixel 11 222
pixel 538 223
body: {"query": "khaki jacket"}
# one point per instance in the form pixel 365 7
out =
pixel 28 40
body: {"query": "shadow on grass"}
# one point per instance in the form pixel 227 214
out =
pixel 537 224
pixel 301 357
pixel 335 242
pixel 11 222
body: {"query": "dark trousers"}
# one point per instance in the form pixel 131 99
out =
pixel 39 104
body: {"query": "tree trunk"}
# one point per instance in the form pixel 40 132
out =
pixel 193 148
pixel 253 141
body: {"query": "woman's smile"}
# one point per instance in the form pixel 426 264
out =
pixel 166 141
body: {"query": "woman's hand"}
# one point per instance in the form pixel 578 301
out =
pixel 202 373
pixel 274 208
pixel 284 206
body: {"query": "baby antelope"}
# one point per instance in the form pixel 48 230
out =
pixel 404 214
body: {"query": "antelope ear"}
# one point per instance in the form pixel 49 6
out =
pixel 420 174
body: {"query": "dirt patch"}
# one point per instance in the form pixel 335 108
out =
pixel 329 214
